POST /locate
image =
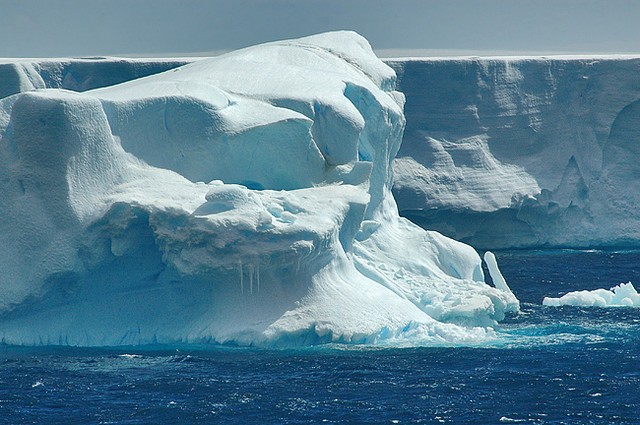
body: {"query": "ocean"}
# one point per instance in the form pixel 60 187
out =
pixel 549 365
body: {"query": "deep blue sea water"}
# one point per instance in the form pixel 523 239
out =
pixel 565 365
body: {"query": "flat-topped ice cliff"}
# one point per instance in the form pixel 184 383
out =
pixel 240 199
pixel 522 152
pixel 19 75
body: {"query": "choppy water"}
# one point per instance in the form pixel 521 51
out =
pixel 551 365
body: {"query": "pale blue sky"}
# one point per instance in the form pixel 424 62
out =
pixel 40 28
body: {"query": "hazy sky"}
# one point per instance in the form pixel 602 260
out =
pixel 39 28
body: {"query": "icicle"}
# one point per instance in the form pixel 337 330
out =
pixel 258 276
pixel 250 267
pixel 241 277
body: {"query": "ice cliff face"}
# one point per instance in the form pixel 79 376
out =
pixel 19 75
pixel 522 152
pixel 240 199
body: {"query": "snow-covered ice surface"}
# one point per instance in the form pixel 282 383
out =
pixel 241 199
pixel 520 152
pixel 623 295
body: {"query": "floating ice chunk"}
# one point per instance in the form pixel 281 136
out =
pixel 130 356
pixel 506 419
pixel 623 295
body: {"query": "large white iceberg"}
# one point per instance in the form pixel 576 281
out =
pixel 522 152
pixel 239 199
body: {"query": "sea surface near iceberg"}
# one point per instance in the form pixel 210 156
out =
pixel 562 365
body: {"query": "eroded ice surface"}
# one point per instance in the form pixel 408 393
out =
pixel 522 152
pixel 239 199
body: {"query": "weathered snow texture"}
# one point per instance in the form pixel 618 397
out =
pixel 239 199
pixel 522 152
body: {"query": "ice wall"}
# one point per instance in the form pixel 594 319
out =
pixel 240 199
pixel 19 75
pixel 522 152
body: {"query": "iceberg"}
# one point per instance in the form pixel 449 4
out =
pixel 623 295
pixel 242 199
pixel 521 152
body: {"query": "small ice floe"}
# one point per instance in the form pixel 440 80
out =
pixel 506 419
pixel 130 356
pixel 37 384
pixel 623 295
